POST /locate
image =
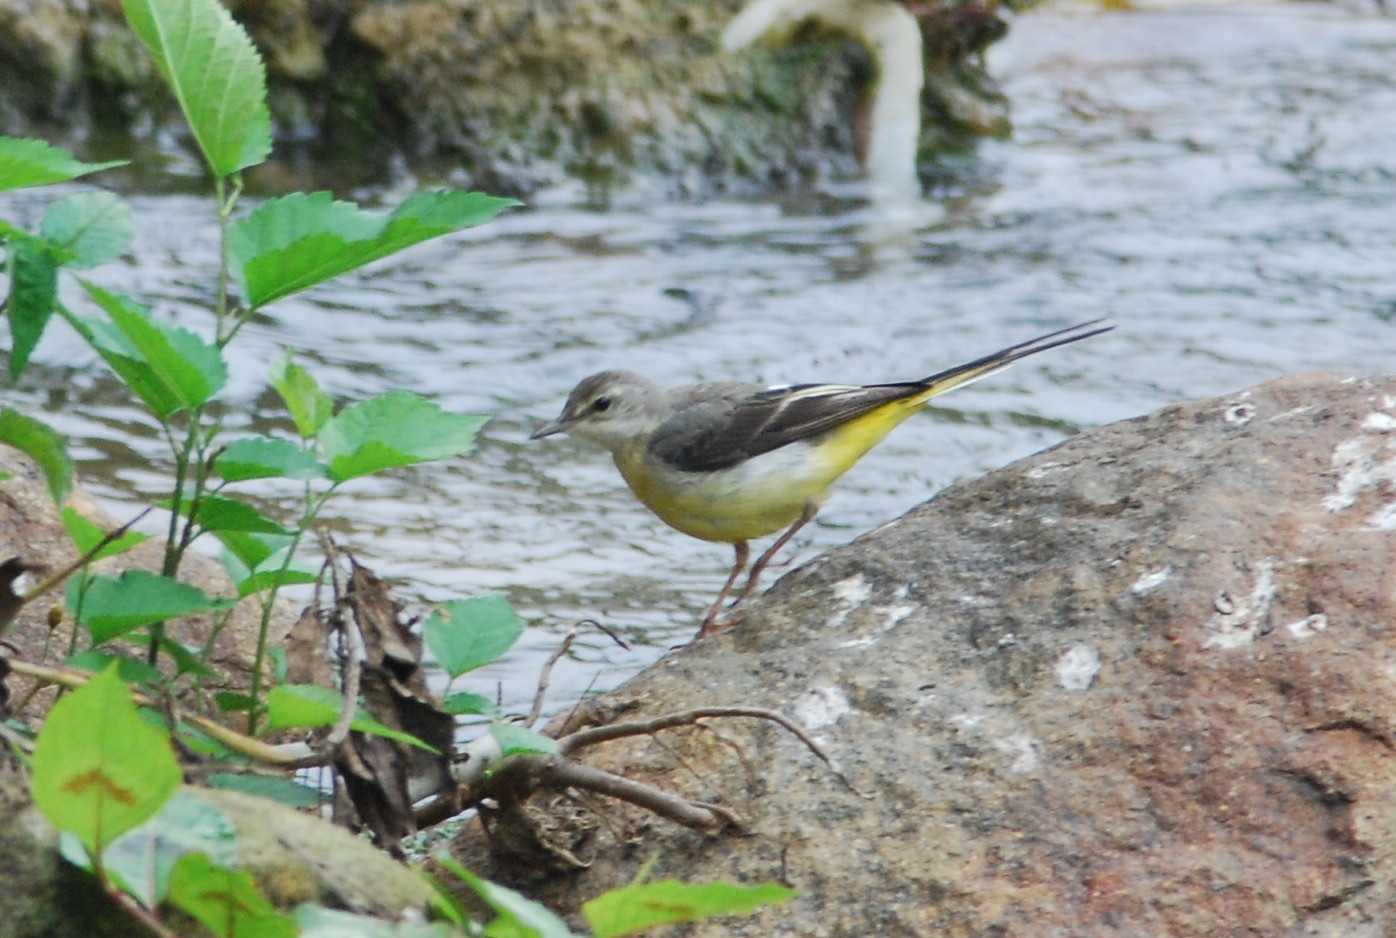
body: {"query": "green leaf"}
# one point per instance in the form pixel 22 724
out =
pixel 272 787
pixel 90 228
pixel 33 274
pixel 44 445
pixel 99 770
pixel 25 162
pixel 87 535
pixel 271 575
pixel 516 740
pixel 129 670
pixel 299 240
pixel 465 703
pixel 395 429
pixel 185 660
pixel 310 407
pixel 125 360
pixel 191 370
pixel 468 633
pixel 316 921
pixel 141 860
pixel 306 705
pixel 116 605
pixel 225 901
pixel 220 513
pixel 632 909
pixel 265 458
pixel 215 73
pixel 251 548
pixel 517 914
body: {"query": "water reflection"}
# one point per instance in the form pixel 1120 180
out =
pixel 1217 182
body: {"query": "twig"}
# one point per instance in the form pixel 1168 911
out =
pixel 546 673
pixel 82 561
pixel 605 631
pixel 602 734
pixel 289 755
pixel 352 672
pixel 137 911
pixel 561 773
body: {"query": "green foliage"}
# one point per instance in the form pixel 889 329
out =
pixel 517 916
pixel 215 73
pixel 87 535
pixel 113 606
pixel 266 458
pixel 128 669
pixel 141 860
pixel 632 909
pixel 517 740
pixel 299 240
pixel 225 901
pixel 281 790
pixel 220 513
pixel 274 571
pixel 44 445
pixel 99 769
pixel 25 162
pixel 310 407
pixel 468 704
pixel 33 273
pixel 187 370
pixel 87 229
pixel 319 922
pixel 467 633
pixel 309 706
pixel 395 429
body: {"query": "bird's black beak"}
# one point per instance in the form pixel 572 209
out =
pixel 549 429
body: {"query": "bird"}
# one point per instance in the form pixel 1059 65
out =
pixel 730 462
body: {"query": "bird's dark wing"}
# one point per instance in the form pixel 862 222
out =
pixel 720 428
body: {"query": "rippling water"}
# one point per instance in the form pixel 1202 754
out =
pixel 1220 182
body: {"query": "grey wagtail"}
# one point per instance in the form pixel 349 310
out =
pixel 730 462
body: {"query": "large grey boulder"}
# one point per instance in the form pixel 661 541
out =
pixel 1140 684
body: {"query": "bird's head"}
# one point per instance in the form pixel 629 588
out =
pixel 611 408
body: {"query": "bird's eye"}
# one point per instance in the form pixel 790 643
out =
pixel 601 404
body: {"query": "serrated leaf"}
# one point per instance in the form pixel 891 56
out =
pixel 310 407
pixel 215 73
pixel 44 445
pixel 87 535
pixel 272 787
pixel 191 370
pixel 632 909
pixel 27 162
pixel 99 770
pixel 89 228
pixel 250 548
pixel 518 915
pixel 299 240
pixel 227 902
pixel 465 634
pixel 308 706
pixel 266 458
pixel 113 606
pixel 125 361
pixel 220 513
pixel 33 275
pixel 465 703
pixel 516 740
pixel 395 429
pixel 141 859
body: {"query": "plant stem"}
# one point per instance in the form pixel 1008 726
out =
pixel 225 214
pixel 313 504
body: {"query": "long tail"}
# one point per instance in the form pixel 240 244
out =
pixel 961 375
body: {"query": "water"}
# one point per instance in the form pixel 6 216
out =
pixel 1217 181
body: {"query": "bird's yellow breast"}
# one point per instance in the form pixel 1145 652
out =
pixel 760 495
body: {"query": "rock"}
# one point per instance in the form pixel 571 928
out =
pixel 294 858
pixel 522 94
pixel 1143 683
pixel 30 527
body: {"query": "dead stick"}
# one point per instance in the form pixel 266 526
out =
pixel 545 674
